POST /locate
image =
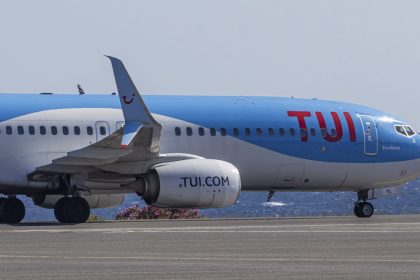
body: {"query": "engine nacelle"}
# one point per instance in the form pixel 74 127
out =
pixel 95 201
pixel 193 183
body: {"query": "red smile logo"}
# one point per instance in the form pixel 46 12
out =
pixel 128 101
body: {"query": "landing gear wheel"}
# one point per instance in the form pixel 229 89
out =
pixel 2 199
pixel 363 209
pixel 12 210
pixel 77 210
pixel 357 207
pixel 72 210
pixel 59 209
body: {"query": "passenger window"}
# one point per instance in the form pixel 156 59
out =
pixel 54 130
pixel 282 132
pixel 177 131
pixel 400 130
pixel 201 131
pixel 368 129
pixel 235 131
pixel 102 130
pixel 313 132
pixel 9 130
pixel 303 132
pixel 247 131
pixel 65 130
pixel 292 132
pixel 271 132
pixel 212 131
pixel 259 131
pixel 42 130
pixel 323 132
pixel 223 131
pixel 20 130
pixel 189 131
pixel 333 132
pixel 76 130
pixel 89 130
pixel 31 130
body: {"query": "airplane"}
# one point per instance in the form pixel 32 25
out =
pixel 74 152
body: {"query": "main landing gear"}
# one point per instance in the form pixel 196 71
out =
pixel 363 209
pixel 12 210
pixel 72 210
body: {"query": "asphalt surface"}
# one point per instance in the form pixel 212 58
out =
pixel 382 247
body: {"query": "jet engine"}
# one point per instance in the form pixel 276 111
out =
pixel 193 183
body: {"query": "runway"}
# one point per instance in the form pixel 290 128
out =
pixel 382 247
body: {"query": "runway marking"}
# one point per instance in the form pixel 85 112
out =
pixel 224 259
pixel 216 231
pixel 311 228
pixel 275 226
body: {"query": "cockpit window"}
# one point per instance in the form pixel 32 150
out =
pixel 409 130
pixel 405 130
pixel 400 130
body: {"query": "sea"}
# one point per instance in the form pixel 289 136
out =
pixel 283 204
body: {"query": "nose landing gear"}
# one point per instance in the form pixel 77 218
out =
pixel 363 209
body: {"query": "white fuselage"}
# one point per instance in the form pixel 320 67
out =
pixel 260 168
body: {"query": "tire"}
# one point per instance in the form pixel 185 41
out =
pixel 2 199
pixel 357 209
pixel 59 208
pixel 367 210
pixel 12 210
pixel 77 210
pixel 363 209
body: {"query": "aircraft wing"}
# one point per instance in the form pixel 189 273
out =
pixel 137 141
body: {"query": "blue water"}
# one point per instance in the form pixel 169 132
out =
pixel 283 204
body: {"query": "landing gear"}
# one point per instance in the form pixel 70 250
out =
pixel 72 210
pixel 363 209
pixel 59 209
pixel 270 195
pixel 12 210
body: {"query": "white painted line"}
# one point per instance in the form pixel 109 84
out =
pixel 308 228
pixel 224 259
pixel 120 231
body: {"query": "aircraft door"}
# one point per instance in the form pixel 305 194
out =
pixel 102 130
pixel 370 134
